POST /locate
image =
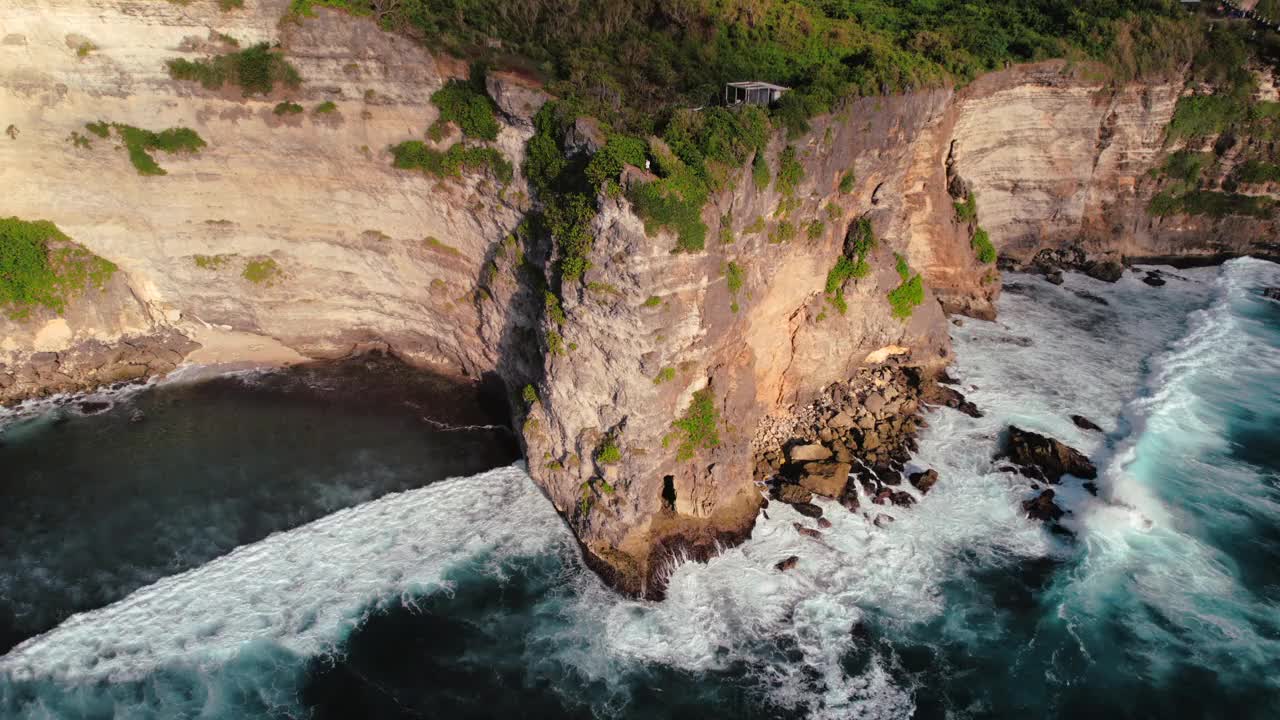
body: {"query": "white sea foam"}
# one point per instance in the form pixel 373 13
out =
pixel 304 589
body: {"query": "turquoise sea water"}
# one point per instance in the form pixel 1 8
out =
pixel 466 598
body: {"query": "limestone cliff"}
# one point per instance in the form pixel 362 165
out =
pixel 361 252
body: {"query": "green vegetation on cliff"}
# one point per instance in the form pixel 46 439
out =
pixel 42 267
pixel 906 297
pixel 697 429
pixel 415 155
pixel 627 62
pixel 468 106
pixel 1226 114
pixel 851 265
pixel 255 69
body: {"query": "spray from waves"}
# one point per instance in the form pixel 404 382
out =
pixel 815 637
pixel 1185 556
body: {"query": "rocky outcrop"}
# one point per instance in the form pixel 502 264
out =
pixel 1045 458
pixel 1060 165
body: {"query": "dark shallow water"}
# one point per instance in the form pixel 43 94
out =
pixel 467 598
pixel 99 506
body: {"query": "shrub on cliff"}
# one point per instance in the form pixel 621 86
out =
pixel 40 266
pixel 983 247
pixel 906 297
pixel 415 155
pixel 139 143
pixel 255 69
pixel 469 107
pixel 790 172
pixel 967 210
pixel 697 429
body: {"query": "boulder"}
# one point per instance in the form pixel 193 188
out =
pixel 807 532
pixel 1104 270
pixel 1046 458
pixel 902 498
pixel 583 137
pixel 841 420
pixel 824 523
pixel 807 453
pixel 849 499
pixel 882 520
pixel 1043 508
pixel 874 403
pixel 923 481
pixel 1153 279
pixel 787 564
pixel 825 478
pixel 791 494
pixel 938 394
pixel 808 509
pixel 517 97
pixel 1085 423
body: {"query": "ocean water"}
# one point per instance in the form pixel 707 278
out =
pixel 465 597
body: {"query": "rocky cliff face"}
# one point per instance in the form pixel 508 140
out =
pixel 1057 160
pixel 743 333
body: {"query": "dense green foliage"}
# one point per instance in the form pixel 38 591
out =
pixel 627 61
pixel 467 105
pixel 851 265
pixel 666 374
pixel 255 69
pixel 606 165
pixel 760 172
pixel 141 142
pixel 609 453
pixel 1211 203
pixel 967 211
pixel 906 297
pixel 288 108
pixel 697 429
pixel 1255 171
pixel 982 246
pixel 40 266
pixel 530 394
pixel 326 107
pixel 846 182
pixel 264 271
pixel 790 172
pixel 415 155
pixel 100 128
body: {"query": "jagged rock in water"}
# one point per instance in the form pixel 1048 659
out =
pixel 1042 507
pixel 882 520
pixel 787 564
pixel 1272 293
pixel 1104 270
pixel 938 394
pixel 924 481
pixel 1046 458
pixel 807 532
pixel 808 509
pixel 825 478
pixel 791 494
pixel 1154 279
pixel 1085 423
pixel 824 523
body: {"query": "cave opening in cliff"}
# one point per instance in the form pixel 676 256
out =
pixel 669 492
